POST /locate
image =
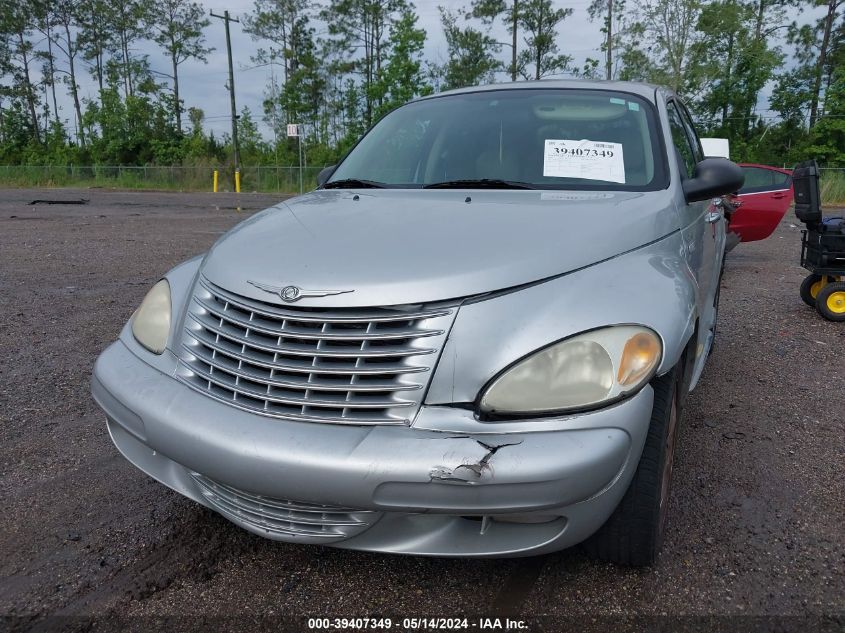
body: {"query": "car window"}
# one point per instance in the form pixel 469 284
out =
pixel 547 138
pixel 681 141
pixel 695 142
pixel 758 179
pixel 399 160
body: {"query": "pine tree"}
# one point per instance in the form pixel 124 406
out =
pixel 489 10
pixel 178 26
pixel 612 15
pixel 64 15
pixel 17 21
pixel 95 37
pixel 402 77
pixel 539 20
pixel 816 44
pixel 472 54
pixel 360 29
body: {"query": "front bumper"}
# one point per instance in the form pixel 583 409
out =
pixel 405 490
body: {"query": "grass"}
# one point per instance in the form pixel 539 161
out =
pixel 832 187
pixel 263 179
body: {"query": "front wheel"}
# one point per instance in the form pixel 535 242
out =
pixel 633 535
pixel 830 302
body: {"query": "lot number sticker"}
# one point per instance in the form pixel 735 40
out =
pixel 592 160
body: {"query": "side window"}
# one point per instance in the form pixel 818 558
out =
pixel 697 150
pixel 680 140
pixel 758 179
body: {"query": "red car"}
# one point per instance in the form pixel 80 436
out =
pixel 762 202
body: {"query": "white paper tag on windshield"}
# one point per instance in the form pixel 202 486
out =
pixel 591 160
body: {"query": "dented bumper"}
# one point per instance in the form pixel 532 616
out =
pixel 406 489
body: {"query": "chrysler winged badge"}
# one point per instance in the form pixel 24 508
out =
pixel 289 294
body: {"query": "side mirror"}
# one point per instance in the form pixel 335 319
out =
pixel 324 175
pixel 713 177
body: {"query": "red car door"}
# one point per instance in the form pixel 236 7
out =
pixel 765 197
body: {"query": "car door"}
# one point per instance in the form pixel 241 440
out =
pixel 765 198
pixel 702 223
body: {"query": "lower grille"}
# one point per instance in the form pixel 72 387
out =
pixel 353 366
pixel 284 518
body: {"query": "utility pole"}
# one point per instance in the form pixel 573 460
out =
pixel 515 17
pixel 609 69
pixel 226 19
pixel 275 112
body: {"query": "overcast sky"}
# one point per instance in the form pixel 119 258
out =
pixel 204 85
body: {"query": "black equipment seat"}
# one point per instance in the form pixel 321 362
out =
pixel 808 202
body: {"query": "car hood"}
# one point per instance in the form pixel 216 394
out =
pixel 393 247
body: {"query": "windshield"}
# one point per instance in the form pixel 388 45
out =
pixel 530 138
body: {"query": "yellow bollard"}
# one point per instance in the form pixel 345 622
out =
pixel 215 181
pixel 237 181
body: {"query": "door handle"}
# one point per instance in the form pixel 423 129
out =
pixel 778 196
pixel 712 217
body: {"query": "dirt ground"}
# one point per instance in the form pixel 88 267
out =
pixel 88 540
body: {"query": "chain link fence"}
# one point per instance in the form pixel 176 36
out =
pixel 269 178
pixel 265 178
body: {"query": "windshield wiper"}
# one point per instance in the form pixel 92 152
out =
pixel 480 183
pixel 354 183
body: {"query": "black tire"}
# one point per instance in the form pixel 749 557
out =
pixel 807 289
pixel 634 533
pixel 830 302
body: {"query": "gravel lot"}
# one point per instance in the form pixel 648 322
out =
pixel 757 506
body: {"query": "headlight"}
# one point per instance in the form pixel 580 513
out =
pixel 151 321
pixel 584 371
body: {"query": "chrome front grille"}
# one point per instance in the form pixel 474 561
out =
pixel 353 366
pixel 283 518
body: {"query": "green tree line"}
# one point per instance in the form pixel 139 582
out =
pixel 339 65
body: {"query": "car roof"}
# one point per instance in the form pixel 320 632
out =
pixel 646 90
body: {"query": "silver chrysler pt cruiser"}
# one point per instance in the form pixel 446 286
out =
pixel 474 338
